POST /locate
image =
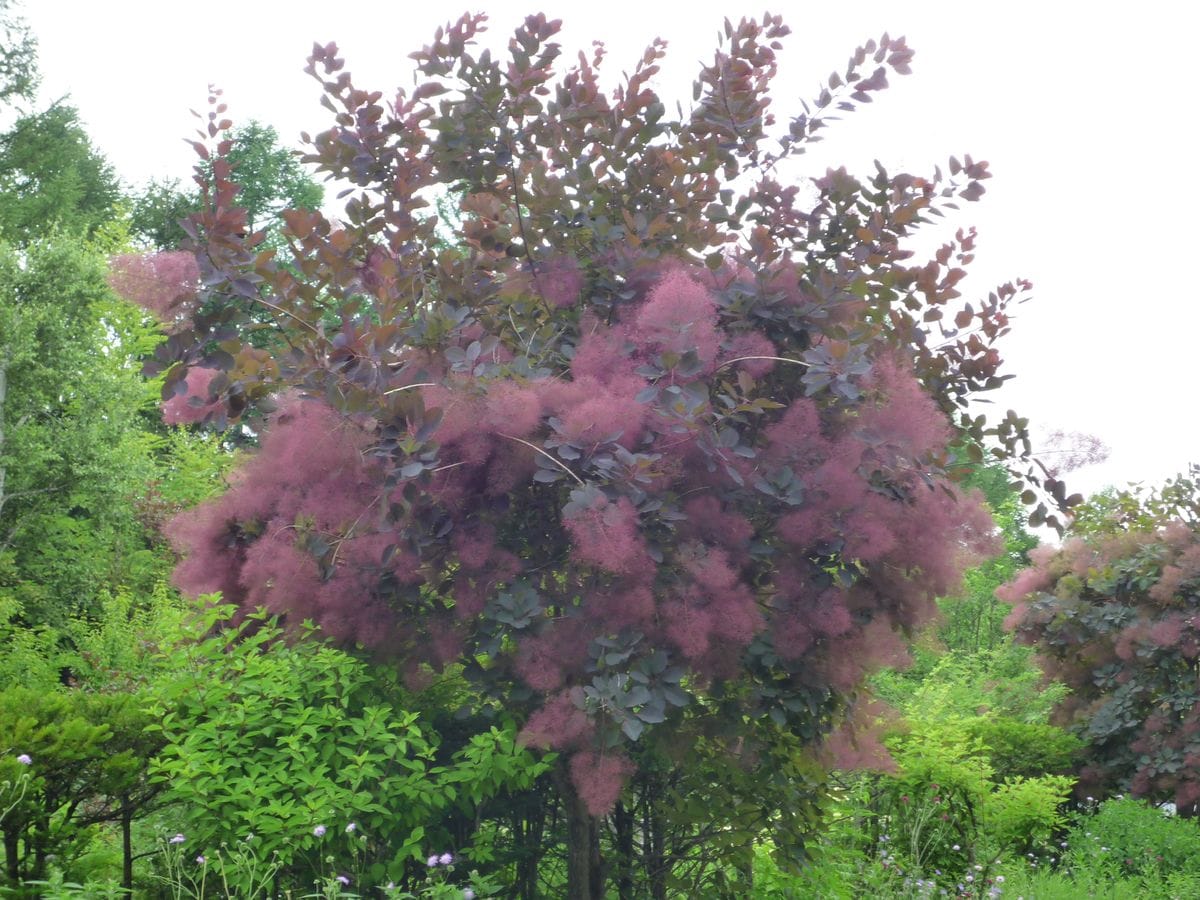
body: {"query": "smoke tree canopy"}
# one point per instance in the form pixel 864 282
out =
pixel 1115 615
pixel 655 446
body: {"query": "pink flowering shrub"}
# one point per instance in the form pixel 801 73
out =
pixel 163 283
pixel 194 403
pixel 647 454
pixel 1115 614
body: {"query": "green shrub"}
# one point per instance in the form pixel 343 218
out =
pixel 87 757
pixel 1040 884
pixel 1130 837
pixel 1024 749
pixel 946 810
pixel 295 751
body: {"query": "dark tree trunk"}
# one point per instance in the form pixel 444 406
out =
pixel 623 820
pixel 11 862
pixel 585 880
pixel 653 841
pixel 127 847
pixel 40 835
pixel 529 827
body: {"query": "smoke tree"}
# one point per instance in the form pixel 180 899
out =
pixel 655 450
pixel 1115 615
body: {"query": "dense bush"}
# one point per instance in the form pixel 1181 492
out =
pixel 1115 615
pixel 1129 837
pixel 89 754
pixel 300 747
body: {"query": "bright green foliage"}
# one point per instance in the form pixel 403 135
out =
pixel 90 744
pixel 1129 837
pixel 72 451
pixel 30 655
pixel 270 176
pixel 69 473
pixel 51 176
pixel 946 794
pixel 979 767
pixel 1002 682
pixel 89 755
pixel 118 649
pixel 1044 884
pixel 274 740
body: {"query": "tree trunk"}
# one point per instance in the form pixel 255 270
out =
pixel 529 826
pixel 3 396
pixel 127 846
pixel 40 835
pixel 623 821
pixel 653 841
pixel 11 861
pixel 585 881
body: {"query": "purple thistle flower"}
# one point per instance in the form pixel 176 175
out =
pixel 343 880
pixel 350 828
pixel 445 859
pixel 468 894
pixel 200 860
pixel 319 831
pixel 178 839
pixel 25 759
pixel 432 861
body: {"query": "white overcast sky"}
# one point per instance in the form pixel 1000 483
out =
pixel 1086 111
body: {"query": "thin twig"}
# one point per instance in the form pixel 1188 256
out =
pixel 410 387
pixel 772 358
pixel 545 454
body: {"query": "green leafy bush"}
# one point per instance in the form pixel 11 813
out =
pixel 87 753
pixel 1131 837
pixel 298 746
pixel 1000 682
pixel 1026 749
pixel 947 809
pixel 1043 884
